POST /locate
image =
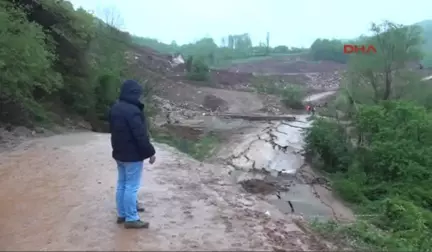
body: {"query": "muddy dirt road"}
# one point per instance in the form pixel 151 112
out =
pixel 58 194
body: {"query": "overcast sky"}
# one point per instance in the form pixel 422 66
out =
pixel 292 23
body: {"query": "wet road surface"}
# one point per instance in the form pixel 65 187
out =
pixel 57 193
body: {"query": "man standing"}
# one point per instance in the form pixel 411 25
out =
pixel 312 109
pixel 131 146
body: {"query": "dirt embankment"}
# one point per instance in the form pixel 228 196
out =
pixel 221 79
pixel 323 75
pixel 318 75
pixel 161 67
pixel 281 66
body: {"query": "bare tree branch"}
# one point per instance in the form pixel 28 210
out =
pixel 111 16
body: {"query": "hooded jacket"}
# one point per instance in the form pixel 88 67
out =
pixel 129 134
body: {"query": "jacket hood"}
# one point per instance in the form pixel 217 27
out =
pixel 131 92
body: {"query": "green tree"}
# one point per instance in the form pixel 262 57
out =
pixel 233 46
pixel 380 158
pixel 396 46
pixel 199 70
pixel 281 49
pixel 324 49
pixel 27 56
pixel 268 43
pixel 189 61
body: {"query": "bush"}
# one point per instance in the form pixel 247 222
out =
pixel 292 97
pixel 330 142
pixel 324 49
pixel 387 171
pixel 189 64
pixel 390 139
pixel 198 69
pixel 26 60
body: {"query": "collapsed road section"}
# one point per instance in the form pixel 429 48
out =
pixel 277 147
pixel 269 160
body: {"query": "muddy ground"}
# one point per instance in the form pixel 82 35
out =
pixel 58 194
pixel 58 190
pixel 285 65
pixel 318 75
pixel 156 68
pixel 65 202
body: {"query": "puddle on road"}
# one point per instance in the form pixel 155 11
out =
pixel 68 140
pixel 305 202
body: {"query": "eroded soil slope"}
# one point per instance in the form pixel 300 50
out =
pixel 318 75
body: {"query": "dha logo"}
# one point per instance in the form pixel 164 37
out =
pixel 365 49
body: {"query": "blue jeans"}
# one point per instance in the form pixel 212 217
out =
pixel 128 183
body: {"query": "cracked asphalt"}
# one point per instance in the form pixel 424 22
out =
pixel 277 148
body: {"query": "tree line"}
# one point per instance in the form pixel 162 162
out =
pixel 231 47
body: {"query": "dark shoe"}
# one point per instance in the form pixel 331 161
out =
pixel 121 220
pixel 139 208
pixel 136 224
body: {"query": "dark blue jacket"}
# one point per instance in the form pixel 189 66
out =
pixel 129 136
